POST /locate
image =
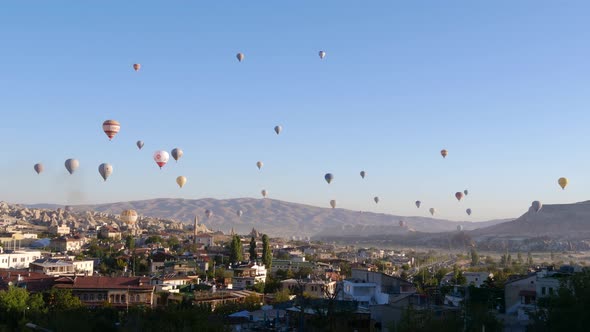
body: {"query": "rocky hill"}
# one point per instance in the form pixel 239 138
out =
pixel 277 218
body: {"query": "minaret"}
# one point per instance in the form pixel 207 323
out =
pixel 196 228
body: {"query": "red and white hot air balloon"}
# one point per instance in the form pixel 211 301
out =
pixel 161 158
pixel 111 128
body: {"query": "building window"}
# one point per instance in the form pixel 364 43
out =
pixel 85 297
pixel 117 298
pixel 543 291
pixel 112 298
pixel 14 260
pixel 123 298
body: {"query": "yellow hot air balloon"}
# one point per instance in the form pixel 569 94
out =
pixel 129 217
pixel 181 180
pixel 562 182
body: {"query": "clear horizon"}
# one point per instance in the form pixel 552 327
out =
pixel 496 85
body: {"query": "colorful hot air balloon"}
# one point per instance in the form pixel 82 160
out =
pixel 322 54
pixel 468 212
pixel 208 213
pixel 444 153
pixel 239 213
pixel 105 170
pixel 432 211
pixel 177 153
pixel 259 164
pixel 363 174
pixel 458 195
pixel 562 182
pixel 278 129
pixel 111 128
pixel 136 66
pixel 459 228
pixel 129 217
pixel 466 192
pixel 161 158
pixel 418 203
pixel 181 180
pixel 264 193
pixel 139 144
pixel 333 203
pixel 537 206
pixel 329 177
pixel 376 199
pixel 72 165
pixel 38 168
pixel 240 56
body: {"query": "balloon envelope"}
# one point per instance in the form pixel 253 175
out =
pixel 139 144
pixel 136 66
pixel 239 213
pixel 208 213
pixel 322 54
pixel 72 165
pixel 177 153
pixel 259 164
pixel 376 199
pixel 329 177
pixel 278 129
pixel 401 223
pixel 444 153
pixel 562 182
pixel 333 204
pixel 105 170
pixel 129 216
pixel 111 128
pixel 240 56
pixel 181 180
pixel 458 195
pixel 363 174
pixel 418 203
pixel 459 227
pixel 38 168
pixel 264 193
pixel 468 211
pixel 466 192
pixel 161 157
pixel 432 211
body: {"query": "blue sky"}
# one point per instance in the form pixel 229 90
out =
pixel 503 86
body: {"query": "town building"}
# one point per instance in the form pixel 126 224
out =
pixel 248 275
pixel 18 259
pixel 314 288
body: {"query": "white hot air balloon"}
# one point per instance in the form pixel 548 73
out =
pixel 105 170
pixel 432 211
pixel 322 54
pixel 333 203
pixel 161 157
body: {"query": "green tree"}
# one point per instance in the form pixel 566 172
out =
pixel 153 239
pixel 235 250
pixel 252 251
pixel 474 257
pixel 14 299
pixel 266 252
pixel 282 295
pixel 130 242
pixel 62 299
pixel 173 242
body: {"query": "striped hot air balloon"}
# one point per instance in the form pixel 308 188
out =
pixel 111 128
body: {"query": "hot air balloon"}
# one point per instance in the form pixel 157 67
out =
pixel 240 56
pixel 72 165
pixel 466 192
pixel 177 153
pixel 444 153
pixel 105 170
pixel 278 129
pixel 468 212
pixel 418 203
pixel 459 227
pixel 38 168
pixel 139 144
pixel 264 193
pixel 161 158
pixel 181 180
pixel 239 213
pixel 259 164
pixel 537 206
pixel 458 195
pixel 432 211
pixel 136 66
pixel 208 213
pixel 329 177
pixel 129 217
pixel 562 182
pixel 333 203
pixel 401 223
pixel 111 128
pixel 322 54
pixel 363 174
pixel 376 199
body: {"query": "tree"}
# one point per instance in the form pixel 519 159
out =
pixel 173 242
pixel 529 259
pixel 519 258
pixel 130 242
pixel 282 295
pixel 253 255
pixel 474 257
pixel 153 239
pixel 266 252
pixel 62 299
pixel 235 250
pixel 14 299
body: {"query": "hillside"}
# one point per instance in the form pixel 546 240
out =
pixel 274 217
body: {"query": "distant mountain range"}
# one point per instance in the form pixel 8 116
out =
pixel 279 218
